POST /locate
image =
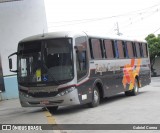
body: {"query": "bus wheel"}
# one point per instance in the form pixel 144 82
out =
pixel 52 109
pixel 95 98
pixel 134 91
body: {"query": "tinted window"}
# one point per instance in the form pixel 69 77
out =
pixel 144 47
pixel 116 49
pixel 120 49
pixel 138 49
pixel 130 49
pixel 134 49
pixel 81 57
pixel 108 45
pixel 96 52
pixel 141 50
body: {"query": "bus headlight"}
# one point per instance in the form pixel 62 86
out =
pixel 24 94
pixel 66 91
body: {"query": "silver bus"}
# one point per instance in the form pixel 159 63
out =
pixel 69 68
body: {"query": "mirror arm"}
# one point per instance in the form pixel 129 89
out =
pixel 12 54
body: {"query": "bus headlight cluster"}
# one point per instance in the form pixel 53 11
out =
pixel 66 91
pixel 25 95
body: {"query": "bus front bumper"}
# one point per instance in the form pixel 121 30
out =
pixel 67 99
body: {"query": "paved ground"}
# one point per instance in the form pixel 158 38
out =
pixel 12 113
pixel 141 109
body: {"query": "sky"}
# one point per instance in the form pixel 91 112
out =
pixel 133 18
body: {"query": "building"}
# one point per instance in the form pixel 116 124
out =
pixel 19 19
pixel 156 67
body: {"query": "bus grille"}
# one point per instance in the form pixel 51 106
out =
pixel 43 94
pixel 40 94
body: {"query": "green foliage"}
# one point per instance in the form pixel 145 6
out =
pixel 154 49
pixel 154 45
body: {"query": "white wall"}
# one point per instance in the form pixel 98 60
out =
pixel 18 20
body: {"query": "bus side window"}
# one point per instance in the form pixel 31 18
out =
pixel 108 45
pixel 130 49
pixel 116 49
pixel 120 49
pixel 96 49
pixel 138 49
pixel 134 49
pixel 141 50
pixel 81 57
pixel 144 47
pixel 125 49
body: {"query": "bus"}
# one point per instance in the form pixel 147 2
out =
pixel 70 68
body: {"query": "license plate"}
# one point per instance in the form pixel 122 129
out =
pixel 44 102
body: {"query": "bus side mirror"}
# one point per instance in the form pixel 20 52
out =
pixel 10 62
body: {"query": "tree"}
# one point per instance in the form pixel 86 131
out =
pixel 154 48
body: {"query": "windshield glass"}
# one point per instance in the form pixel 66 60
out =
pixel 46 61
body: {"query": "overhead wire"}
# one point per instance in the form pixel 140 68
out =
pixel 156 30
pixel 88 21
pixel 140 17
pixel 133 20
pixel 109 17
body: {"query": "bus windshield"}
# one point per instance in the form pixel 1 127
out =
pixel 45 61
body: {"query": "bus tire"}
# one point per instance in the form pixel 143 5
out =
pixel 95 98
pixel 52 109
pixel 134 91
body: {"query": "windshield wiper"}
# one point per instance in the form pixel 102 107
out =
pixel 55 81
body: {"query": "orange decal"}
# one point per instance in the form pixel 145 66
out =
pixel 132 62
pixel 130 71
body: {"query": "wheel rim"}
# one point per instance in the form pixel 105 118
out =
pixel 96 96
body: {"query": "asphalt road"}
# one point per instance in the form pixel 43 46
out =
pixel 141 109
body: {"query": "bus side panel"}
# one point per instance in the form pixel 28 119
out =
pixel 145 74
pixel 120 79
pixel 144 78
pixel 85 91
pixel 109 80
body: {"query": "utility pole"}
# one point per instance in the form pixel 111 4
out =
pixel 117 29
